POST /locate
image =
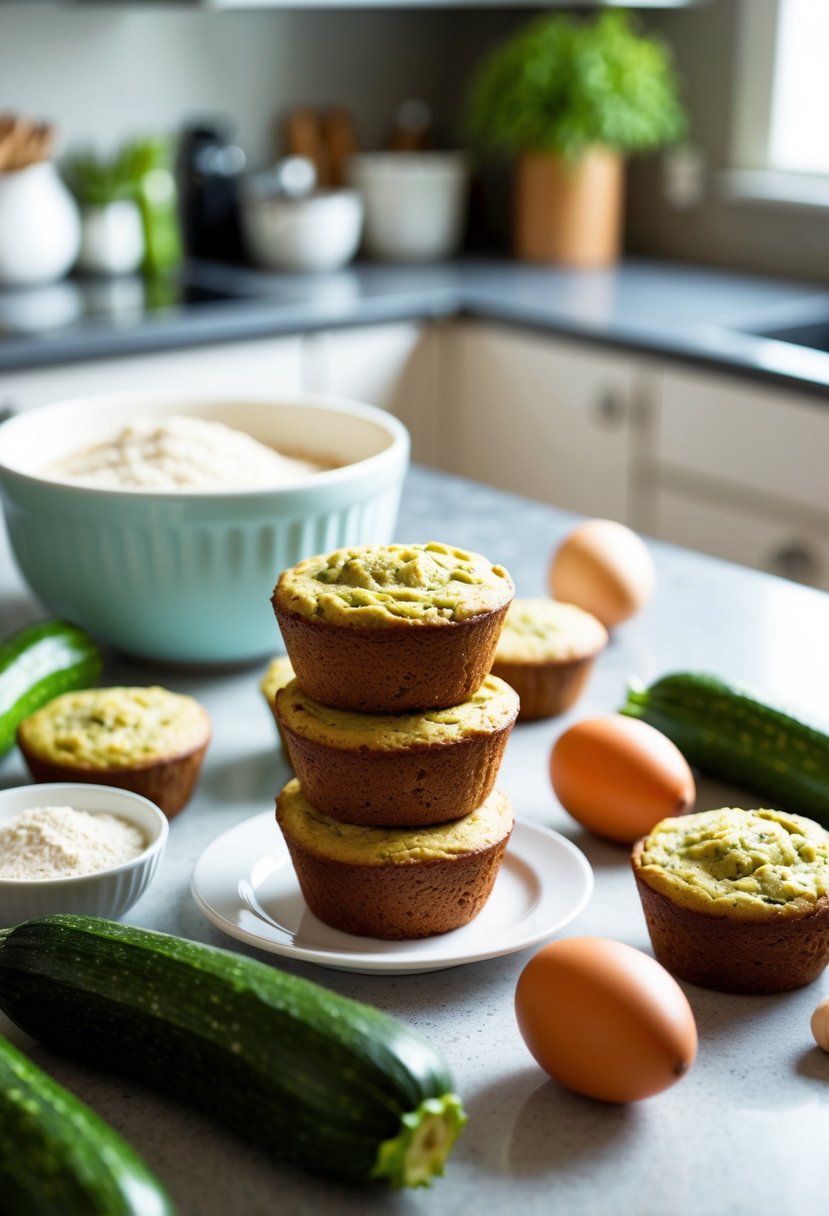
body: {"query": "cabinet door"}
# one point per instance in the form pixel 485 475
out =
pixel 739 471
pixel 798 550
pixel 770 443
pixel 541 417
pixel 270 367
pixel 392 366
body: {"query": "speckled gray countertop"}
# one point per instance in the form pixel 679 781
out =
pixel 696 314
pixel 743 1134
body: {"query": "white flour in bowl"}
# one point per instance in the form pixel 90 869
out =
pixel 182 453
pixel 60 842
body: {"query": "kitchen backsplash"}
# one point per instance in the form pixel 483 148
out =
pixel 103 75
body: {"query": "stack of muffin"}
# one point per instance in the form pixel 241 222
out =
pixel 396 732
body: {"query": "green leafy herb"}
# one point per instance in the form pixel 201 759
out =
pixel 563 84
pixel 140 172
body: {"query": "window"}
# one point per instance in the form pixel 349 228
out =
pixel 798 139
pixel 781 130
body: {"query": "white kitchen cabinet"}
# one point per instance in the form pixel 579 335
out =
pixel 796 549
pixel 712 461
pixel 270 367
pixel 541 416
pixel 739 470
pixel 393 366
pixel 744 434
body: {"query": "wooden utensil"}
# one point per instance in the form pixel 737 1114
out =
pixel 303 137
pixel 340 142
pixel 23 142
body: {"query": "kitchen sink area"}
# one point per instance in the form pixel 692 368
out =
pixel 814 335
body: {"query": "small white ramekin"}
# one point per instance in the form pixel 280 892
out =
pixel 186 576
pixel 109 893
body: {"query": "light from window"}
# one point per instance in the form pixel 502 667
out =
pixel 799 135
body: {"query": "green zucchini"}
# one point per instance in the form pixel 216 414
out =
pixel 330 1084
pixel 58 1158
pixel 37 664
pixel 731 734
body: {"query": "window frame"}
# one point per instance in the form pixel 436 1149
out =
pixel 751 177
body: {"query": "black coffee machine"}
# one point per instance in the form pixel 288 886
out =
pixel 210 166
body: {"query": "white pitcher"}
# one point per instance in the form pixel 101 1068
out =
pixel 39 226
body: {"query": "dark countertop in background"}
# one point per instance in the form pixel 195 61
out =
pixel 695 314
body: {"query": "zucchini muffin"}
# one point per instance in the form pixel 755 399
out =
pixel 546 651
pixel 392 883
pixel 279 673
pixel 398 769
pixel 392 628
pixel 147 740
pixel 737 900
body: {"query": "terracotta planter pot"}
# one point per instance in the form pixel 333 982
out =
pixel 569 213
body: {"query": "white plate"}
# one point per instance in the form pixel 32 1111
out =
pixel 245 884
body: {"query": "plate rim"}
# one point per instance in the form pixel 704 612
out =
pixel 366 963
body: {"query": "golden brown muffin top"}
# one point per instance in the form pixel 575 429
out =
pixel 279 673
pixel 544 630
pixel 493 707
pixel 354 844
pixel 115 728
pixel 376 585
pixel 739 863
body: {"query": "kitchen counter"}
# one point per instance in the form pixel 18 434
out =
pixel 744 1134
pixel 699 315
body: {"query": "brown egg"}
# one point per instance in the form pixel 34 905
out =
pixel 605 1020
pixel 619 776
pixel 605 568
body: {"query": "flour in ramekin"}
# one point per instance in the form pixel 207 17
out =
pixel 60 842
pixel 182 453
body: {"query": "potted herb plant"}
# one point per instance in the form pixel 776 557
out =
pixel 128 209
pixel 572 98
pixel 111 238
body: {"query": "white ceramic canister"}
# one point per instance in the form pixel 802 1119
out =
pixel 112 238
pixel 415 203
pixel 39 226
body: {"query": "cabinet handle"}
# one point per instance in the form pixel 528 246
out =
pixel 610 410
pixel 795 560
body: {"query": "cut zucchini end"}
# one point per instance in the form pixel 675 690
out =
pixel 637 699
pixel 419 1152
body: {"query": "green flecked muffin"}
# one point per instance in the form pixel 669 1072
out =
pixel 398 769
pixel 148 740
pixel 374 586
pixel 737 900
pixel 392 628
pixel 279 673
pixel 394 883
pixel 546 651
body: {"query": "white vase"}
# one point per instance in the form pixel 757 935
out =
pixel 39 226
pixel 112 238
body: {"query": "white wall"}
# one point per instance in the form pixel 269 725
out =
pixel 103 74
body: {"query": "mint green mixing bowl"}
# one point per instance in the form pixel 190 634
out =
pixel 186 576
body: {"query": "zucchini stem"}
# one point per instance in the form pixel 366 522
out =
pixel 419 1152
pixel 637 699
